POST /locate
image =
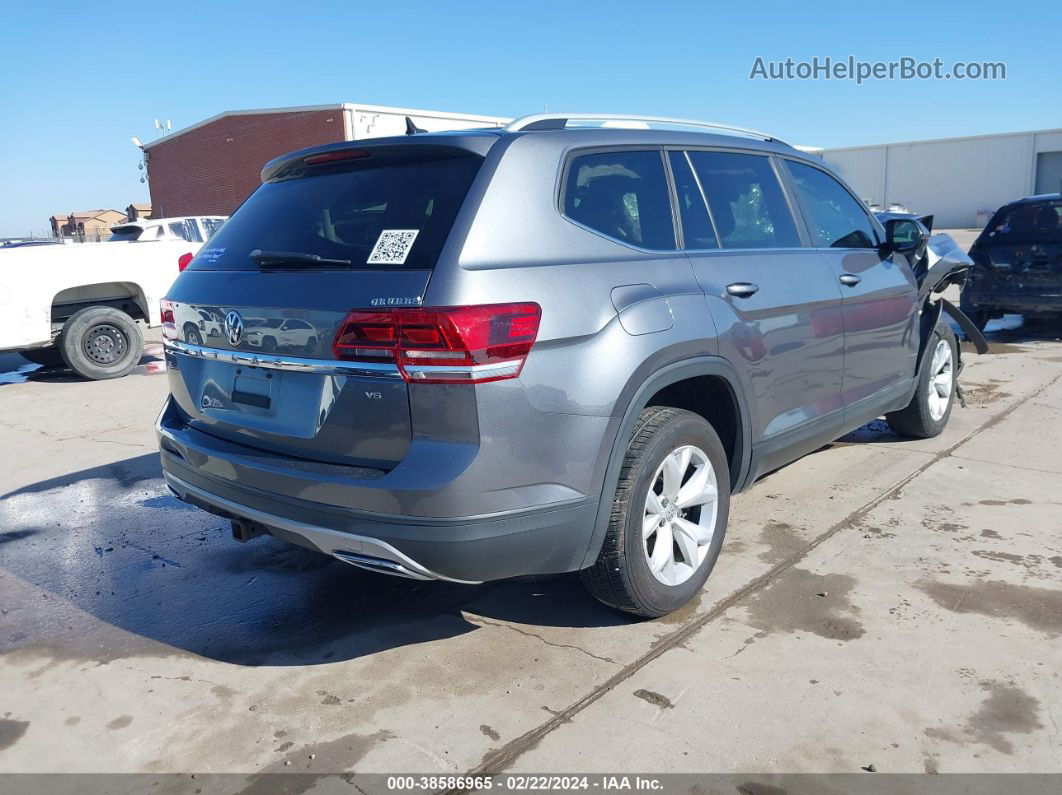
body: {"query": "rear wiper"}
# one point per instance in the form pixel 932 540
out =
pixel 279 259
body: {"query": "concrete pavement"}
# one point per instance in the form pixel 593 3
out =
pixel 880 602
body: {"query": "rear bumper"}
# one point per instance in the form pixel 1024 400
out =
pixel 1047 302
pixel 545 539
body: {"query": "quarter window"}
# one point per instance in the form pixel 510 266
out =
pixel 835 219
pixel 186 230
pixel 748 206
pixel 622 195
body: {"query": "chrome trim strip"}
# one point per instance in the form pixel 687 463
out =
pixel 291 363
pixel 419 371
pixel 330 542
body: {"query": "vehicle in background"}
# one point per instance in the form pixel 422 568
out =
pixel 79 305
pixel 28 243
pixel 547 348
pixel 1017 262
pixel 281 334
pixel 193 229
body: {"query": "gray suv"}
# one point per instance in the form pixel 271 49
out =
pixel 557 346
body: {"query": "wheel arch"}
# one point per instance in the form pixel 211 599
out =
pixel 126 296
pixel 676 385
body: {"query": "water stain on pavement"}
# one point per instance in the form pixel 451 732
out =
pixel 324 759
pixel 1007 710
pixel 782 540
pixel 792 604
pixel 11 731
pixel 1038 608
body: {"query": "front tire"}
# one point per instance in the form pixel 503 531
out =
pixel 927 414
pixel 668 517
pixel 101 342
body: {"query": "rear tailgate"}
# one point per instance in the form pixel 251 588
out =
pixel 299 403
pixel 253 317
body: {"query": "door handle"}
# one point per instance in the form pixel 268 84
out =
pixel 850 279
pixel 742 289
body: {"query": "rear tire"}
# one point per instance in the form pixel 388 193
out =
pixel 46 357
pixel 101 342
pixel 928 412
pixel 660 548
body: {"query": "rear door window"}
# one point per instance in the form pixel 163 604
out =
pixel 381 212
pixel 835 219
pixel 748 205
pixel 622 195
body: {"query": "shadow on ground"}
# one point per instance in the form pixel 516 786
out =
pixel 105 563
pixel 16 370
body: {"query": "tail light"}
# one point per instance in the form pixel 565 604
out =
pixel 169 323
pixel 446 345
pixel 183 260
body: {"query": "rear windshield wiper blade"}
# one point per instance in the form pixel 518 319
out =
pixel 280 259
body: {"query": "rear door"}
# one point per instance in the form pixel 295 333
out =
pixel 775 303
pixel 879 292
pixel 314 242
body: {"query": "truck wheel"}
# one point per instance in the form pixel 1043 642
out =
pixel 192 335
pixel 928 412
pixel 668 518
pixel 99 342
pixel 47 357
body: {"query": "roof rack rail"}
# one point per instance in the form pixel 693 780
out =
pixel 559 121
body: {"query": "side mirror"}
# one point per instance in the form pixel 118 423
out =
pixel 903 235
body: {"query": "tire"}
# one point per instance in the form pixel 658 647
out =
pixel 100 342
pixel 622 577
pixel 269 344
pixel 192 335
pixel 927 415
pixel 46 357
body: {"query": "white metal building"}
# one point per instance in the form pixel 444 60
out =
pixel 960 181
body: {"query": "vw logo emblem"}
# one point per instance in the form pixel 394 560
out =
pixel 234 327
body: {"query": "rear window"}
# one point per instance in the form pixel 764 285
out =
pixel 381 213
pixel 1026 223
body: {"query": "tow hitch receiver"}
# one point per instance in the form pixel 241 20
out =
pixel 243 530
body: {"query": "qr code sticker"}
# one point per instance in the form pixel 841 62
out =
pixel 392 247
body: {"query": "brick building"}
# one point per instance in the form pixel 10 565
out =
pixel 210 167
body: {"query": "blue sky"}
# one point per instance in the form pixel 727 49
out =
pixel 76 83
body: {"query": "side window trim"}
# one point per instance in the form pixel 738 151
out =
pixel 672 194
pixel 704 199
pixel 875 224
pixel 562 190
pixel 795 210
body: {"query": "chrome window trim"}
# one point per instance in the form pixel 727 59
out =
pixel 288 363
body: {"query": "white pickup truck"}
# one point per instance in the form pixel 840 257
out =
pixel 79 305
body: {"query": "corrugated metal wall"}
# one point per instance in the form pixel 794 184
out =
pixel 954 179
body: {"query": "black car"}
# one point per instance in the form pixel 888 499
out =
pixel 1018 262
